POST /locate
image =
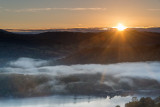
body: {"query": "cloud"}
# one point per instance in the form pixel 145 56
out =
pixel 41 77
pixel 27 63
pixel 153 9
pixel 51 9
pixel 36 67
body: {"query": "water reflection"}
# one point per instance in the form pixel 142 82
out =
pixel 66 101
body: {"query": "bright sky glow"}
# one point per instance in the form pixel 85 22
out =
pixel 121 27
pixel 48 14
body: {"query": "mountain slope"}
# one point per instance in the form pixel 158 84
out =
pixel 78 48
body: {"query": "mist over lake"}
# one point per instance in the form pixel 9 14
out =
pixel 65 67
pixel 27 77
pixel 79 53
pixel 29 80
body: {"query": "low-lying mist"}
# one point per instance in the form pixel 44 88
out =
pixel 27 77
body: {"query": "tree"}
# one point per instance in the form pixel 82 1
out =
pixel 146 102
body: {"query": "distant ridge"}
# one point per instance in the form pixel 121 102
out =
pixel 83 48
pixel 3 32
pixel 83 30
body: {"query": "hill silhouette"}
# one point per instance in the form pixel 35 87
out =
pixel 113 47
pixel 80 48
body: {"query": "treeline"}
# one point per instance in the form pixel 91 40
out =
pixel 145 102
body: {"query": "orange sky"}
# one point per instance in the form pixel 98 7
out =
pixel 45 14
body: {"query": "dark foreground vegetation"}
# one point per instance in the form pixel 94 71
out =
pixel 145 102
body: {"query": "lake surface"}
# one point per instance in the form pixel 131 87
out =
pixel 66 101
pixel 26 77
pixel 69 101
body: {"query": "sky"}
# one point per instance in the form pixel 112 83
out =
pixel 48 14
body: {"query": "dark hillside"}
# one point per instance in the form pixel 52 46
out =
pixel 102 47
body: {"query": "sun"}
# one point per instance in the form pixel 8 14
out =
pixel 120 27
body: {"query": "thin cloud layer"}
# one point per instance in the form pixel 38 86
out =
pixel 154 9
pixel 35 67
pixel 27 77
pixel 51 9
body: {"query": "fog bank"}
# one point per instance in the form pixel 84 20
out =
pixel 35 77
pixel 36 66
